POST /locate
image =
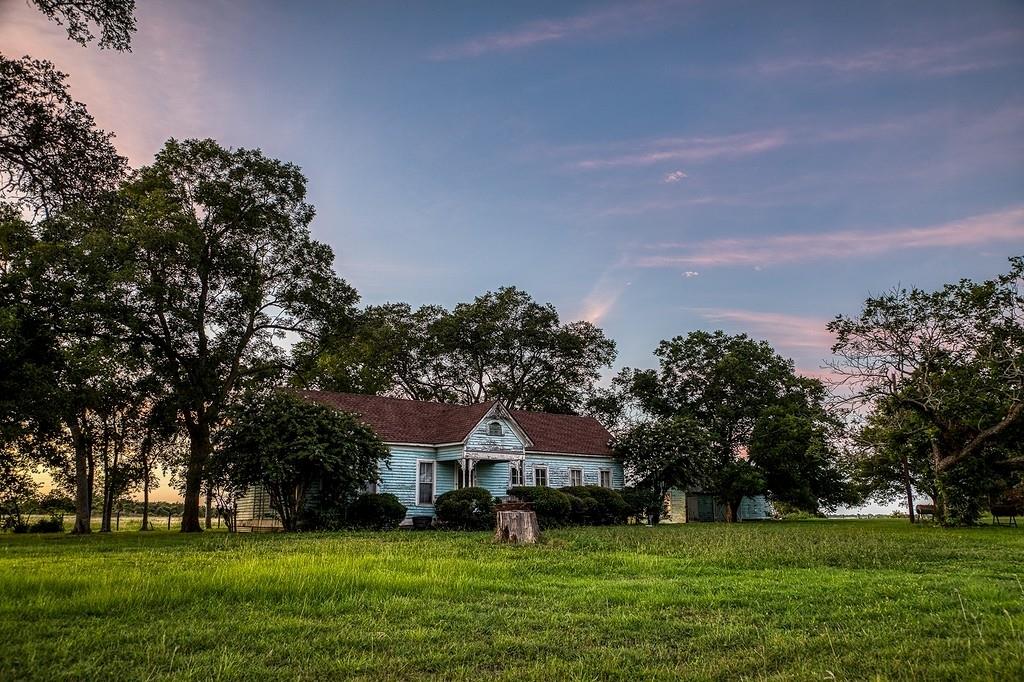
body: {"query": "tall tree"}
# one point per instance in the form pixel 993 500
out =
pixel 954 357
pixel 220 264
pixel 60 350
pixel 722 381
pixel 728 384
pixel 794 446
pixel 894 458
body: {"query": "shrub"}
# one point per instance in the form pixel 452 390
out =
pixel 376 511
pixel 601 506
pixel 554 508
pixel 54 524
pixel 466 509
pixel 641 502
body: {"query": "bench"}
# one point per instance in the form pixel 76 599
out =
pixel 1009 511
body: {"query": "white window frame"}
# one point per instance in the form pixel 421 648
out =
pixel 578 471
pixel 601 475
pixel 547 479
pixel 518 467
pixel 433 482
pixel 490 428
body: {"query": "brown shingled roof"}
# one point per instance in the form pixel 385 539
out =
pixel 397 420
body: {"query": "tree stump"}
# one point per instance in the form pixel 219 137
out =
pixel 516 524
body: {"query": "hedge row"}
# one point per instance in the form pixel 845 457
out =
pixel 369 511
pixel 585 505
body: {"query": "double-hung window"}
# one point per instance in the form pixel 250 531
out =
pixel 575 477
pixel 606 478
pixel 425 483
pixel 540 476
pixel 515 474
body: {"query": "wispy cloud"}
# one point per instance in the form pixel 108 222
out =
pixel 674 176
pixel 691 273
pixel 611 20
pixel 689 149
pixel 785 330
pixel 940 58
pixel 1001 226
pixel 603 296
pixel 805 338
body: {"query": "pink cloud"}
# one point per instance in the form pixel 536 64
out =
pixel 160 89
pixel 785 330
pixel 607 21
pixel 690 149
pixel 603 297
pixel 944 58
pixel 1000 226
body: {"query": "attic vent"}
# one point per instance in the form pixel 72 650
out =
pixel 494 429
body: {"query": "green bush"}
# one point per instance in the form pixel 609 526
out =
pixel 466 509
pixel 600 506
pixel 554 508
pixel 641 502
pixel 54 524
pixel 376 511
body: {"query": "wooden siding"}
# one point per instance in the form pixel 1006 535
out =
pixel 450 452
pixel 400 478
pixel 704 507
pixel 559 465
pixel 493 476
pixel 508 442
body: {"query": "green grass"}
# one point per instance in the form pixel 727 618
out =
pixel 846 600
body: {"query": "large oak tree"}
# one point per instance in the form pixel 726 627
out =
pixel 219 267
pixel 954 357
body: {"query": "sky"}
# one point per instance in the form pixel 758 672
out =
pixel 653 167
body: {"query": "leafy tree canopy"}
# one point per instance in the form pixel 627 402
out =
pixel 115 20
pixel 751 403
pixel 667 453
pixel 300 452
pixel 51 152
pixel 218 265
pixel 953 357
pixel 503 345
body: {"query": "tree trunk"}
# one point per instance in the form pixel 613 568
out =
pixel 145 495
pixel 517 527
pixel 733 509
pixel 940 498
pixel 83 480
pixel 909 488
pixel 109 477
pixel 209 507
pixel 199 452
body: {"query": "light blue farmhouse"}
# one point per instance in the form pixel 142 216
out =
pixel 437 447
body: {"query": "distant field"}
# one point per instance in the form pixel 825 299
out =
pixel 846 600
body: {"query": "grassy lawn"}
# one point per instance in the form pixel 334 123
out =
pixel 812 600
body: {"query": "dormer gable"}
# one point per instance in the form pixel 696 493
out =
pixel 497 432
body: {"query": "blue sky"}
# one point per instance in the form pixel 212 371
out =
pixel 654 167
